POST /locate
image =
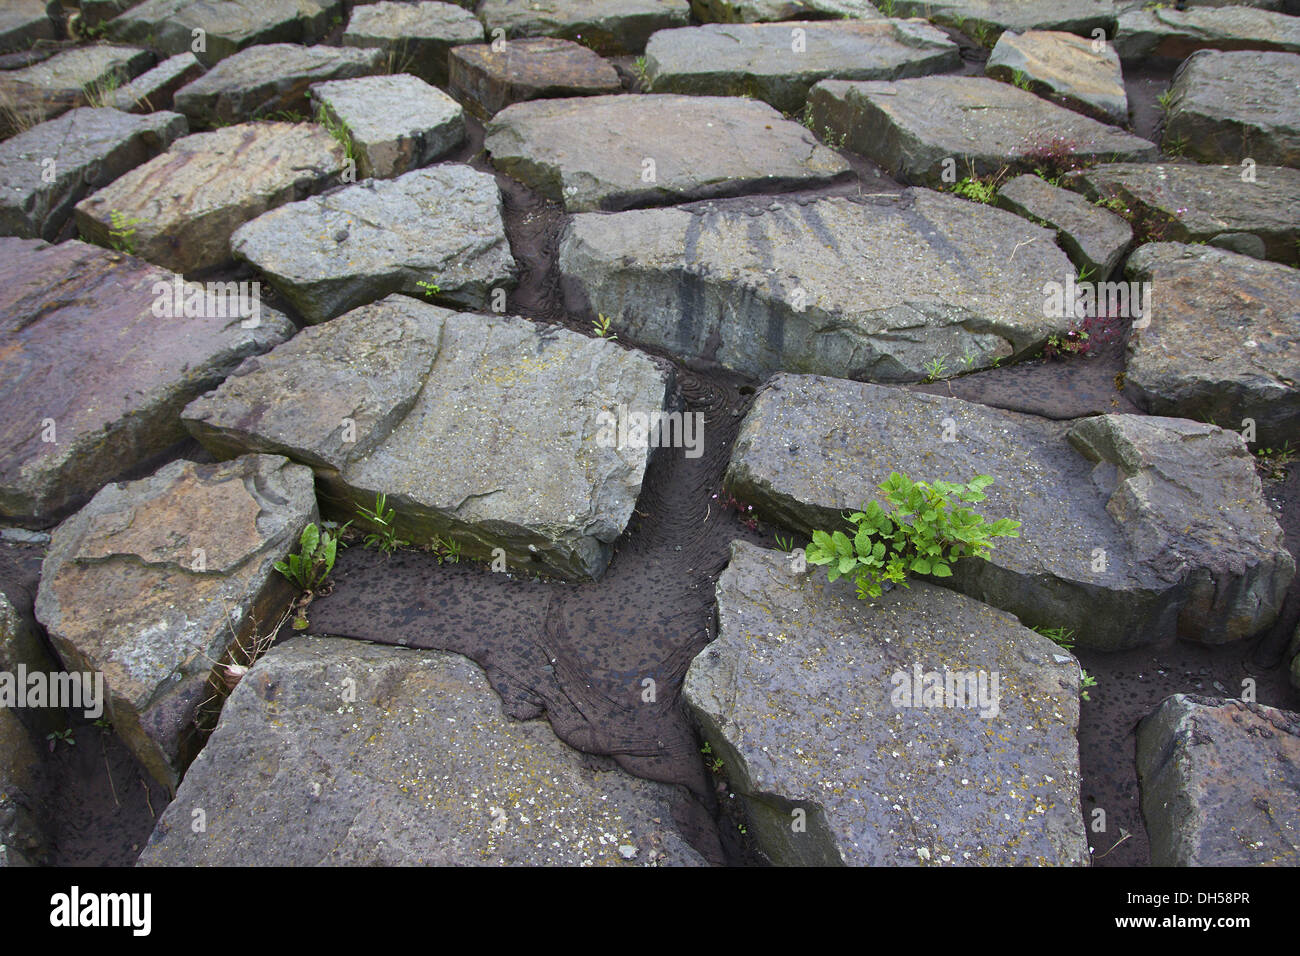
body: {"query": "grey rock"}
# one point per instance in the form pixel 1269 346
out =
pixel 1134 529
pixel 1223 343
pixel 1229 107
pixel 20 641
pixel 395 123
pixel 1240 242
pixel 607 26
pixel 154 90
pixel 440 225
pixel 23 22
pixel 919 129
pixel 873 289
pixel 1294 653
pixel 96 12
pixel 489 80
pixel 591 152
pixel 1165 33
pixel 23 807
pixel 68 79
pixel 1066 69
pixel 807 697
pixel 761 11
pixel 194 545
pixel 1095 238
pixel 418 767
pixel 1219 783
pixel 759 59
pixel 82 150
pixel 418 36
pixel 984 20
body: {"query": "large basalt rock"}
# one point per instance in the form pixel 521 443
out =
pixel 194 548
pixel 761 11
pixel 439 411
pixel 875 289
pixel 615 152
pixel 802 697
pixel 418 36
pixel 441 225
pixel 1220 783
pixel 187 202
pixel 24 22
pixel 779 62
pixel 984 20
pixel 68 79
pixel 1095 238
pixel 23 809
pixel 333 752
pixel 95 380
pixel 154 89
pixel 1066 68
pixel 487 80
pixel 1133 529
pixel 607 26
pixel 1164 33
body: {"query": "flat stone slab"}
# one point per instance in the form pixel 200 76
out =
pixel 418 36
pixel 615 152
pixel 606 26
pixel 395 123
pixel 1165 33
pixel 95 380
pixel 1066 69
pixel 463 390
pixel 44 90
pixel 329 254
pixel 167 26
pixel 190 199
pixel 154 89
pixel 1220 783
pixel 1228 107
pixel 23 22
pixel 1223 344
pixel 1095 238
pixel 47 170
pixel 801 696
pixel 338 753
pixel 770 62
pixel 874 289
pixel 761 11
pixel 1133 529
pixel 983 20
pixel 917 128
pixel 489 80
pixel 194 546
pixel 1190 202
pixel 264 81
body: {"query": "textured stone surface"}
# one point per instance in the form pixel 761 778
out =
pixel 190 199
pixel 51 87
pixel 23 841
pixel 229 26
pixel 914 128
pixel 96 12
pixel 266 80
pixel 24 22
pixel 1066 69
pixel 88 364
pixel 154 90
pixel 1220 783
pixel 20 643
pixel 396 123
pixel 188 607
pixel 418 36
pixel 1226 107
pixel 1224 340
pixel 591 152
pixel 758 59
pixel 607 26
pixel 1095 238
pixel 1189 202
pixel 1134 529
pixel 1166 33
pixel 440 225
pixel 874 290
pixel 760 11
pixel 419 767
pixel 488 80
pixel 799 698
pixel 983 20
pixel 88 149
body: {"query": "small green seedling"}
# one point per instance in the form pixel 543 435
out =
pixel 309 568
pixel 383 519
pixel 54 736
pixel 121 231
pixel 430 288
pixel 601 325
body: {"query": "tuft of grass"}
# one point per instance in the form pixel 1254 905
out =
pixel 121 231
pixel 337 130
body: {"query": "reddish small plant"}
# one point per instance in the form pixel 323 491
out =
pixel 1083 337
pixel 744 511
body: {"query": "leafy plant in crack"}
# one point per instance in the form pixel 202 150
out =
pixel 601 325
pixel 314 561
pixel 935 369
pixel 121 231
pixel 55 736
pixel 431 288
pixel 382 519
pixel 1271 463
pixel 445 550
pixel 337 130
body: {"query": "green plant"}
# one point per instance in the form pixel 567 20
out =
pixel 886 546
pixel 384 537
pixel 785 544
pixel 121 231
pixel 886 7
pixel 1271 463
pixel 1020 80
pixel 713 761
pixel 54 736
pixel 430 288
pixel 1085 681
pixel 1059 635
pixel 639 67
pixel 100 94
pixel 309 568
pixel 338 131
pixel 976 189
pixel 447 550
pixel 968 360
pixel 1175 146
pixel 601 324
pixel 934 369
pixel 103 723
pixel 1165 99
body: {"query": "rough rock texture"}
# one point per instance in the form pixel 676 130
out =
pixel 984 20
pixel 462 392
pixel 487 81
pixel 1188 202
pixel 194 546
pixel 759 11
pixel 614 152
pixel 440 225
pixel 799 697
pixel 154 90
pixel 266 80
pixel 1134 529
pixel 95 12
pixel 51 87
pixel 1224 340
pixel 23 841
pixel 333 752
pixel 229 26
pixel 1066 69
pixel 1095 238
pixel 94 380
pixel 20 643
pixel 918 128
pixel 417 35
pixel 1226 107
pixel 1294 653
pixel 1220 783
pixel 190 199
pixel 607 26
pixel 761 59
pixel 24 22
pixel 874 289
pixel 1165 33
pixel 82 150
pixel 396 123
